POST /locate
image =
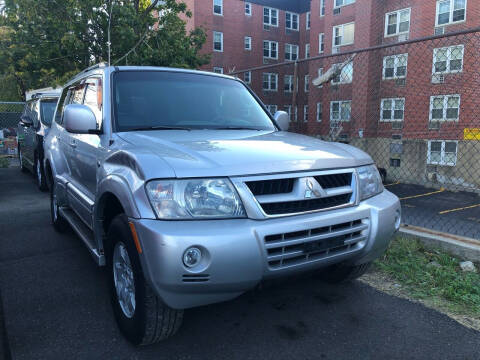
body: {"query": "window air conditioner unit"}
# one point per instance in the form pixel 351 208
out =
pixel 397 125
pixel 438 78
pixel 335 50
pixel 402 37
pixel 400 82
pixel 266 27
pixel 397 136
pixel 337 11
pixel 434 125
pixel 439 30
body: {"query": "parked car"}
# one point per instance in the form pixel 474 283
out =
pixel 184 185
pixel 32 129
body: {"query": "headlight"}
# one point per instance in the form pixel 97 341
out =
pixel 195 198
pixel 370 182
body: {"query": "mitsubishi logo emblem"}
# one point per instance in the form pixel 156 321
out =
pixel 313 189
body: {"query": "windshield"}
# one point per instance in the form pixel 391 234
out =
pixel 149 99
pixel 47 109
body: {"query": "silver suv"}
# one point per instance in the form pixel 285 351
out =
pixel 191 193
pixel 34 124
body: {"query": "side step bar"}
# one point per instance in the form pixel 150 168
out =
pixel 84 233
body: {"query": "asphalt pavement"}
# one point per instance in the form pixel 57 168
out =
pixel 56 306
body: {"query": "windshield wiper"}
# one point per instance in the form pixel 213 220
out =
pixel 160 127
pixel 236 128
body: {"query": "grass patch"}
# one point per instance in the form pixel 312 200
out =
pixel 4 162
pixel 432 274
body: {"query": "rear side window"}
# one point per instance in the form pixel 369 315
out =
pixel 61 105
pixel 93 98
pixel 47 109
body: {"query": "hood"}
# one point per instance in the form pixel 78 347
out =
pixel 207 153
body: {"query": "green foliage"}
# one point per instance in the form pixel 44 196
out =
pixel 45 42
pixel 432 273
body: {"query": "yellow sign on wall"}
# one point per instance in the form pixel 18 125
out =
pixel 471 134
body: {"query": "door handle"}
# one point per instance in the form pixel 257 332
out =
pixel 73 144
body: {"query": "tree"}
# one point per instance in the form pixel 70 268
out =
pixel 45 42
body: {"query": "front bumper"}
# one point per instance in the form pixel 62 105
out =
pixel 235 253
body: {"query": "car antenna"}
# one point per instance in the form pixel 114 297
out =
pixel 109 43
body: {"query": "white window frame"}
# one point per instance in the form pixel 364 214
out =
pixel 442 153
pixel 270 42
pixel 306 85
pixel 445 107
pixel 308 19
pixel 269 108
pixel 319 111
pixel 218 70
pixel 343 82
pixel 221 41
pixel 221 7
pixel 349 2
pixel 270 75
pixel 340 103
pixel 288 110
pixel 288 80
pixel 450 19
pixel 249 77
pixel 270 10
pixel 322 8
pixel 290 52
pixel 247 43
pixel 321 43
pixel 397 12
pixel 395 66
pixel 249 7
pixel 394 101
pixel 342 27
pixel 449 59
pixel 305 113
pixel 292 15
pixel 307 51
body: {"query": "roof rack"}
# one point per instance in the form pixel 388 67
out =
pixel 93 67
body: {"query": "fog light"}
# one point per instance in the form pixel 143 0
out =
pixel 192 257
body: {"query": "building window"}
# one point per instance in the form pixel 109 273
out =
pixel 305 113
pixel 442 152
pixel 448 59
pixel 308 20
pixel 270 49
pixel 320 73
pixel 248 43
pixel 322 7
pixel 319 112
pixel 288 110
pixel 270 82
pixel 343 34
pixel 345 76
pixel 247 77
pixel 218 7
pixel 445 108
pixel 392 110
pixel 450 11
pixel 395 163
pixel 248 9
pixel 395 66
pixel 307 51
pixel 321 43
pixel 340 110
pixel 217 41
pixel 397 22
pixel 288 83
pixel 272 109
pixel 291 21
pixel 270 16
pixel 339 3
pixel 291 52
pixel 307 83
pixel 218 70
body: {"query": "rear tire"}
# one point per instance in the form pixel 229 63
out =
pixel 40 175
pixel 20 159
pixel 141 315
pixel 58 222
pixel 341 273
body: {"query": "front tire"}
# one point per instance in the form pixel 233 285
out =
pixel 40 175
pixel 341 273
pixel 142 316
pixel 58 222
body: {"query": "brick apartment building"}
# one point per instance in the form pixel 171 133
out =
pixel 410 106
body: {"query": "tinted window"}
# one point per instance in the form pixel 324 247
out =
pixel 47 109
pixel 61 105
pixel 149 99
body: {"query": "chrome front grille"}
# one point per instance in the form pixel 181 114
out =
pixel 292 207
pixel 301 247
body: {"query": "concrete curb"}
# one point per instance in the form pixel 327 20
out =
pixel 465 248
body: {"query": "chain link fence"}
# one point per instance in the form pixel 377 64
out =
pixel 10 113
pixel 412 105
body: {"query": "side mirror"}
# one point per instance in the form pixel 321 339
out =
pixel 79 119
pixel 282 120
pixel 26 120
